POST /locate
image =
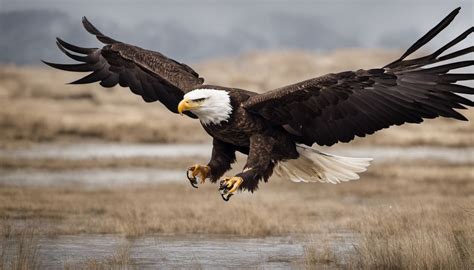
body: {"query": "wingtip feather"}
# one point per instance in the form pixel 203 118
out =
pixel 70 67
pixel 74 48
pixel 94 31
pixel 427 37
pixel 70 55
pixel 90 27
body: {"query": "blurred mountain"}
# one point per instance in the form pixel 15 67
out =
pixel 191 32
pixel 29 36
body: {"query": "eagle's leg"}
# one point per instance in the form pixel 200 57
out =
pixel 223 155
pixel 259 166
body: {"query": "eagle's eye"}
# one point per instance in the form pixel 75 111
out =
pixel 199 100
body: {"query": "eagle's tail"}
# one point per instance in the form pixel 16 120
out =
pixel 315 166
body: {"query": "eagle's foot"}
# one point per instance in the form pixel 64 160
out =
pixel 197 171
pixel 229 185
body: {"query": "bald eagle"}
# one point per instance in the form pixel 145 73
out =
pixel 276 129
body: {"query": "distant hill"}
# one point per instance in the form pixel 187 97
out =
pixel 191 32
pixel 28 36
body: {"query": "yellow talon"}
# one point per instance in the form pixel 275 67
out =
pixel 229 185
pixel 230 182
pixel 237 183
pixel 197 170
pixel 202 171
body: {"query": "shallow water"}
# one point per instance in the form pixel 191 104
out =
pixel 188 251
pixel 102 177
pixel 90 177
pixel 108 150
pixel 387 154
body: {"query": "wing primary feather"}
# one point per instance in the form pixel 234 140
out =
pixel 453 42
pixel 457 53
pixel 75 48
pixel 441 107
pixel 93 30
pixel 72 56
pixel 446 68
pixel 454 77
pixel 454 99
pixel 74 67
pixel 93 77
pixel 427 37
pixel 456 88
pixel 433 58
pixel 461 100
pixel 415 64
pixel 90 27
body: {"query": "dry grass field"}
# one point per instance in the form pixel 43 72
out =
pixel 36 105
pixel 404 214
pixel 279 207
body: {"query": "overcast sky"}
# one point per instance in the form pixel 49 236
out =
pixel 195 30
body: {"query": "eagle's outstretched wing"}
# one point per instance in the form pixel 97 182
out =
pixel 337 107
pixel 148 74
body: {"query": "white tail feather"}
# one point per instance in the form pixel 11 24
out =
pixel 316 166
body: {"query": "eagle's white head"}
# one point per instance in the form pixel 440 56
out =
pixel 211 106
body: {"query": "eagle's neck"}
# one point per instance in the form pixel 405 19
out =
pixel 215 109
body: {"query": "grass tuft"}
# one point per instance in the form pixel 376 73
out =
pixel 397 240
pixel 19 250
pixel 121 259
pixel 320 256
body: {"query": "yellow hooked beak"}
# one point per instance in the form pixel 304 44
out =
pixel 186 105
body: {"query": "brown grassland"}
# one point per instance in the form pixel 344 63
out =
pixel 404 214
pixel 37 106
pixel 175 208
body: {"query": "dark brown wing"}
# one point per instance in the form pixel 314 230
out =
pixel 148 74
pixel 337 107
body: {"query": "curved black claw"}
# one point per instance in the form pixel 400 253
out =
pixel 192 179
pixel 229 185
pixel 223 189
pixel 226 198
